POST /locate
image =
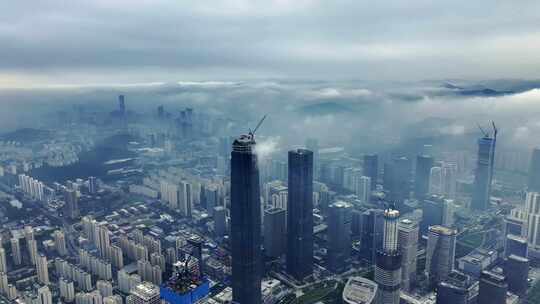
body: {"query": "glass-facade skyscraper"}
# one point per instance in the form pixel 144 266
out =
pixel 484 173
pixel 300 214
pixel 245 222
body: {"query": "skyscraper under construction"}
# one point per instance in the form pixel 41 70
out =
pixel 484 170
pixel 245 222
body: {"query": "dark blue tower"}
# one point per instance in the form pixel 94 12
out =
pixel 245 222
pixel 300 214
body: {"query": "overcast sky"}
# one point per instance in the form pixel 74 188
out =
pixel 135 41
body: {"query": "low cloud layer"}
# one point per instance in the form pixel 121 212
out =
pixel 111 42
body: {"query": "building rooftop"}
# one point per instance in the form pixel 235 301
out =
pixel 360 290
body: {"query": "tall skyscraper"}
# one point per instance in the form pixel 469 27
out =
pixel 220 220
pixel 457 288
pixel 493 288
pixel 516 271
pixel 371 234
pixel 534 171
pixel 397 180
pixel 312 144
pixel 388 266
pixel 440 253
pixel 371 168
pixel 245 222
pixel 300 214
pixel 16 251
pixel 144 293
pixel 516 245
pixel 3 261
pixel 42 269
pixel 275 232
pixel 339 236
pixel 44 295
pixel 436 211
pixel 424 163
pixel 121 104
pixel 92 185
pixel 408 247
pixel 483 174
pixel 72 203
pixel 60 242
pixel 363 188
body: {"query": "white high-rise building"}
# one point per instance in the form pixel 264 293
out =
pixel 67 290
pixel 363 188
pixel 60 242
pixel 16 251
pixel 42 269
pixel 44 295
pixel 408 247
pixel 3 261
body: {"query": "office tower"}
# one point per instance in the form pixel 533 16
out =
pixel 312 144
pixel 145 293
pixel 60 242
pixel 92 185
pixel 339 236
pixel 160 111
pixel 3 261
pixel 220 221
pixel 67 290
pixel 363 188
pixel 424 163
pixel 484 172
pixel 245 222
pixel 121 105
pixel 42 268
pixel 184 199
pixel 397 180
pixel 514 225
pixel 371 169
pixel 211 198
pixel 516 245
pixel 300 214
pixel 16 251
pixel 44 295
pixel 72 203
pixel 493 288
pixel 408 247
pixel 388 261
pixel 371 234
pixel 440 253
pixel 457 288
pixel 436 211
pixel 516 271
pixel 534 171
pixel 275 232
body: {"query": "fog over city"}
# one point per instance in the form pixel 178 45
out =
pixel 270 152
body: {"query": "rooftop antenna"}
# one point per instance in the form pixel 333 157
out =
pixel 252 133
